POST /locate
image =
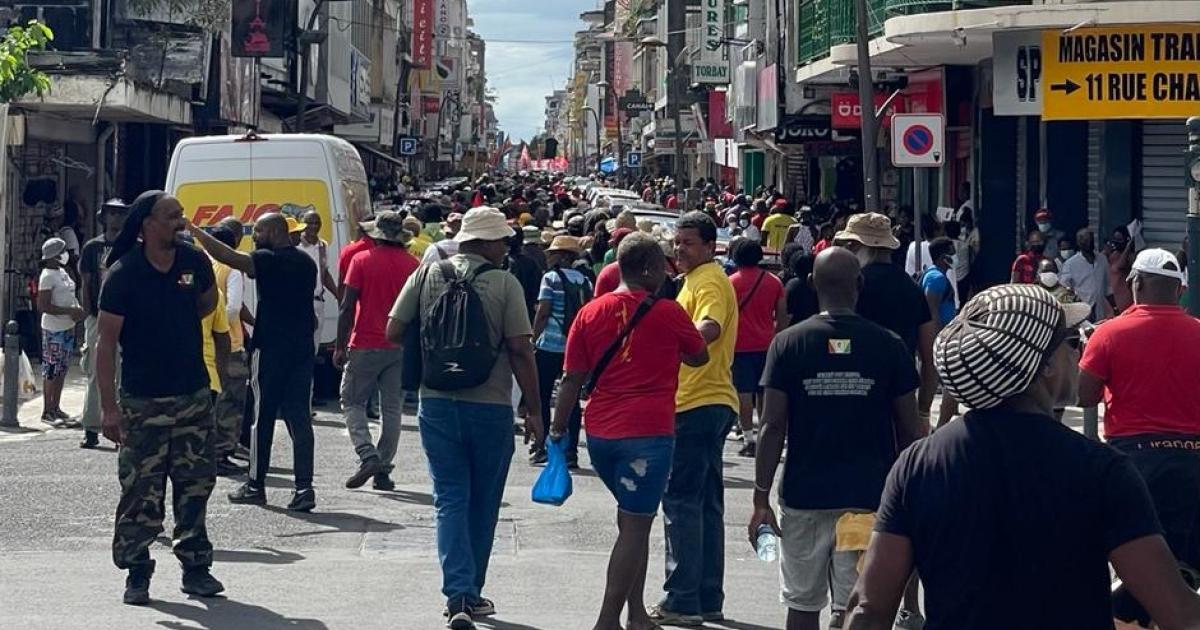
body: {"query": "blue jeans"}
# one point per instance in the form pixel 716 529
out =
pixel 694 512
pixel 469 447
pixel 635 470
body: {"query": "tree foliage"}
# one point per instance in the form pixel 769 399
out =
pixel 209 15
pixel 17 78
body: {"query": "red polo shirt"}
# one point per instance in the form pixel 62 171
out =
pixel 1148 359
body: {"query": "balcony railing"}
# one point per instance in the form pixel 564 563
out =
pixel 826 23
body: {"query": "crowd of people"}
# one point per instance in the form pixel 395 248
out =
pixel 515 300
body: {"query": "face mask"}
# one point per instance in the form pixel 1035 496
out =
pixel 1043 227
pixel 744 223
pixel 63 258
pixel 1048 278
pixel 1067 253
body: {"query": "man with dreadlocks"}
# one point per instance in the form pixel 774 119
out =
pixel 156 293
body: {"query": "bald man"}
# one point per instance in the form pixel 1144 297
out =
pixel 282 365
pixel 842 389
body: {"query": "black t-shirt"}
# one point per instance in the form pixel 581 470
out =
pixel 529 274
pixel 1009 509
pixel 162 350
pixel 891 299
pixel 801 300
pixel 841 374
pixel 92 262
pixel 286 280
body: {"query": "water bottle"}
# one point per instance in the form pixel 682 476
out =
pixel 766 544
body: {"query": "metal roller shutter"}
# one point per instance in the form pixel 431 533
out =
pixel 1095 135
pixel 1164 195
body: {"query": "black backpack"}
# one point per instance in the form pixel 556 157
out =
pixel 575 295
pixel 456 349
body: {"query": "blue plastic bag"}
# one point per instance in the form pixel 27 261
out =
pixel 554 485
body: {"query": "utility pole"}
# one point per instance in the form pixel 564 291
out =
pixel 866 100
pixel 304 41
pixel 1193 215
pixel 676 40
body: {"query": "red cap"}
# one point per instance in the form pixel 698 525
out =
pixel 1042 215
pixel 780 203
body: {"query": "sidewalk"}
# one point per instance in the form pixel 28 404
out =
pixel 29 411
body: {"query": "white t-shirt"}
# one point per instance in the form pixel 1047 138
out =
pixel 317 252
pixel 62 293
pixel 448 247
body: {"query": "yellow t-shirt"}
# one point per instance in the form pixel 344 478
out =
pixel 418 245
pixel 237 341
pixel 708 294
pixel 776 228
pixel 216 322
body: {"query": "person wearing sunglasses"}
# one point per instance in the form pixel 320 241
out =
pixel 1143 366
pixel 1007 509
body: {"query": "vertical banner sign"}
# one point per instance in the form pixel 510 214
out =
pixel 422 34
pixel 259 27
pixel 711 65
pixel 1017 78
pixel 1121 72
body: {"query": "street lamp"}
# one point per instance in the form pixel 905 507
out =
pixel 304 39
pixel 597 118
pixel 673 101
pixel 1192 169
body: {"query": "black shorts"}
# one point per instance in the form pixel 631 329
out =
pixel 748 370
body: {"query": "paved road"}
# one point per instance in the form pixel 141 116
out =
pixel 363 560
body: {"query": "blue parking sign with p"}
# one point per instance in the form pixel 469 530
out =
pixel 633 159
pixel 408 146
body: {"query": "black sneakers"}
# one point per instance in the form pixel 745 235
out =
pixel 229 468
pixel 201 583
pixel 303 500
pixel 247 494
pixel 370 467
pixel 383 482
pixel 458 615
pixel 91 439
pixel 137 585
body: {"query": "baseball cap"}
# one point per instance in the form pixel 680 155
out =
pixel 993 350
pixel 294 226
pixel 1159 262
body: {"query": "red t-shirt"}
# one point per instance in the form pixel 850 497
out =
pixel 672 202
pixel 348 253
pixel 608 279
pixel 756 320
pixel 1148 359
pixel 377 274
pixel 635 396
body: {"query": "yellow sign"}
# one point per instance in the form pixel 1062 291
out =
pixel 208 203
pixel 1121 72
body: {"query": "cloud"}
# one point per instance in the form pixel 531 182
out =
pixel 523 74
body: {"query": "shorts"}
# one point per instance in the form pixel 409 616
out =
pixel 808 561
pixel 57 348
pixel 635 470
pixel 748 370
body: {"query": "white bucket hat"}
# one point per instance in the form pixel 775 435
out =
pixel 484 224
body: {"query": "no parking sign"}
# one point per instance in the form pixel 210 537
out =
pixel 918 140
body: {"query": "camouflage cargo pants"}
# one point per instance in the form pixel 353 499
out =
pixel 231 405
pixel 165 438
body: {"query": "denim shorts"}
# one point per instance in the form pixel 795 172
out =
pixel 748 370
pixel 634 469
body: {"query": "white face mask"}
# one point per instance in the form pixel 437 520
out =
pixel 1049 279
pixel 1044 227
pixel 63 258
pixel 1067 253
pixel 744 223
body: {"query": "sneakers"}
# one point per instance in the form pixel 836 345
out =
pixel 53 420
pixel 538 457
pixel 666 617
pixel 909 620
pixel 748 450
pixel 716 616
pixel 229 468
pixel 458 615
pixel 383 482
pixel 303 500
pixel 247 494
pixel 367 469
pixel 91 439
pixel 241 452
pixel 483 608
pixel 837 620
pixel 201 583
pixel 137 585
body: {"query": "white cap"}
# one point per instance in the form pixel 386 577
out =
pixel 1159 262
pixel 484 224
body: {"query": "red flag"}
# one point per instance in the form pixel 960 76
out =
pixel 477 200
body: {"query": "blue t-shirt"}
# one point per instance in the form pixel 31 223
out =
pixel 554 337
pixel 934 281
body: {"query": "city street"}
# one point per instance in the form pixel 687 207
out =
pixel 362 560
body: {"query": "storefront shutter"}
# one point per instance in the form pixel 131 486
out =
pixel 1164 194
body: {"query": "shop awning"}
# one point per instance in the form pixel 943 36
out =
pixel 381 155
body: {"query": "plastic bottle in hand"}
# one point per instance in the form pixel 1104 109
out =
pixel 766 544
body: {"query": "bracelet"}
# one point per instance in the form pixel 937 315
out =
pixel 760 488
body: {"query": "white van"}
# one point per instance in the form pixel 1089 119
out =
pixel 244 177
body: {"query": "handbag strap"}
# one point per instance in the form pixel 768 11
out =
pixel 611 353
pixel 746 300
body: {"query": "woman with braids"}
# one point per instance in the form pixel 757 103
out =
pixel 157 290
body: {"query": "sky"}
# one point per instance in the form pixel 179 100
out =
pixel 523 74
